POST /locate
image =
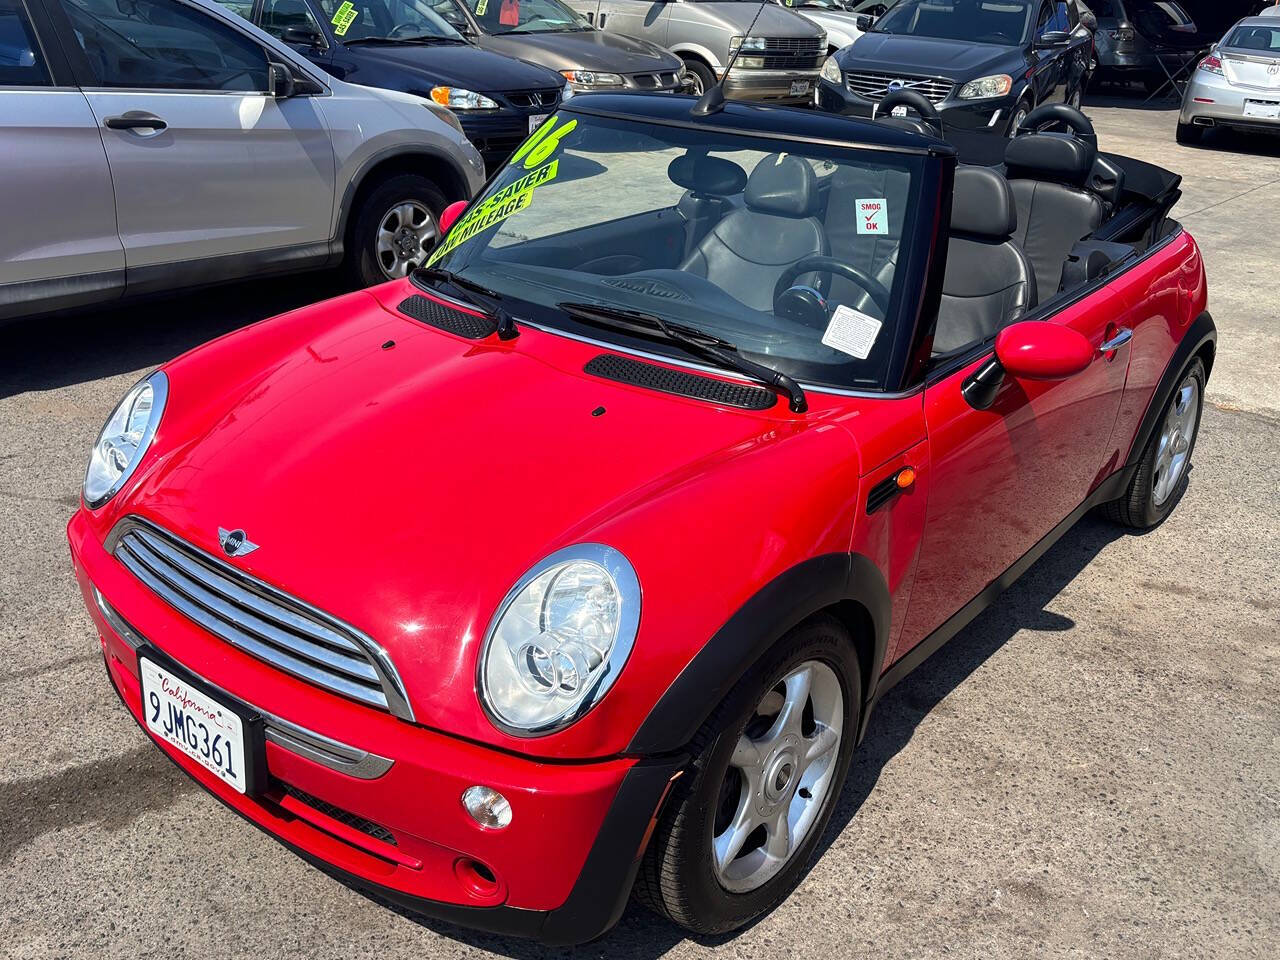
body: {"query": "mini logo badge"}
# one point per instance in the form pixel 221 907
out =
pixel 235 543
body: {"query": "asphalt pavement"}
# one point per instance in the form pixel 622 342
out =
pixel 1090 769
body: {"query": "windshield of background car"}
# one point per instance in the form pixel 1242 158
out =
pixel 1261 39
pixel 706 230
pixel 1005 22
pixel 524 16
pixel 405 19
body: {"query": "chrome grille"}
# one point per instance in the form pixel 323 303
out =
pixel 875 86
pixel 258 619
pixel 794 44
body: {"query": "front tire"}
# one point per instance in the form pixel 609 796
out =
pixel 703 78
pixel 394 230
pixel 742 824
pixel 1020 113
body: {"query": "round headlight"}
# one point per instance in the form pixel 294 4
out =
pixel 124 439
pixel 559 639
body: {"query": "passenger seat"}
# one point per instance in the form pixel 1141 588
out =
pixel 1048 173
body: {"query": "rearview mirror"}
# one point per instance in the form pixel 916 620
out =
pixel 1030 350
pixel 450 215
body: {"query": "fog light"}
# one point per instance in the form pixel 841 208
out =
pixel 487 807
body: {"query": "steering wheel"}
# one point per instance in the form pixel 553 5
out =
pixel 929 120
pixel 405 28
pixel 806 305
pixel 1059 114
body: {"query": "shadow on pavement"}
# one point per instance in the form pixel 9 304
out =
pixel 1219 140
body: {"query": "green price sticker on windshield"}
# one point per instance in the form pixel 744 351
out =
pixel 481 7
pixel 344 17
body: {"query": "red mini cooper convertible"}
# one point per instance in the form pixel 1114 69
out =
pixel 575 563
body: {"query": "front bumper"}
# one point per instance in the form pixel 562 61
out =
pixel 561 872
pixel 990 114
pixel 774 86
pixel 496 135
pixel 1225 104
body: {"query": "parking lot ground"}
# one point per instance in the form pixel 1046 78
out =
pixel 1090 769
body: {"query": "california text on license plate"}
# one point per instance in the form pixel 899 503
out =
pixel 199 726
pixel 1262 108
pixel 535 121
pixel 799 88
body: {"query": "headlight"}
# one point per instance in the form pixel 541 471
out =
pixel 124 439
pixel 566 91
pixel 984 87
pixel 590 79
pixel 746 43
pixel 831 71
pixel 559 639
pixel 455 98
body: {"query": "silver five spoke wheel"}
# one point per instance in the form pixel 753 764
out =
pixel 405 236
pixel 1176 434
pixel 778 777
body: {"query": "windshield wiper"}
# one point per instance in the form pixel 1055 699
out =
pixel 482 298
pixel 694 341
pixel 355 41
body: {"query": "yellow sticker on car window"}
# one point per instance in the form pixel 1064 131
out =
pixel 481 7
pixel 343 17
pixel 511 199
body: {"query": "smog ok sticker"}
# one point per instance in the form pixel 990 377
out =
pixel 343 17
pixel 851 331
pixel 873 216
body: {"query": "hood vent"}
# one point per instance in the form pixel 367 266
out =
pixel 610 366
pixel 458 322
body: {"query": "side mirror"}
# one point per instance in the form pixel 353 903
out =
pixel 302 36
pixel 1053 38
pixel 1030 350
pixel 451 214
pixel 865 21
pixel 280 81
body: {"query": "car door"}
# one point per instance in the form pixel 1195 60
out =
pixel 214 176
pixel 644 19
pixel 58 244
pixel 1005 476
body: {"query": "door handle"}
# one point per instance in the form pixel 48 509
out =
pixel 1123 336
pixel 136 120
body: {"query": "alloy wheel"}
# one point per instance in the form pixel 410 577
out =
pixel 405 236
pixel 1019 115
pixel 779 777
pixel 1176 434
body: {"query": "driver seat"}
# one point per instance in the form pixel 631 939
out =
pixel 746 252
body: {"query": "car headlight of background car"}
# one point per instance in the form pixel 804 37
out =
pixel 125 438
pixel 456 98
pixel 559 639
pixel 591 79
pixel 831 71
pixel 746 43
pixel 985 87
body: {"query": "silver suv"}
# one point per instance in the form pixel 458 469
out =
pixel 779 61
pixel 154 144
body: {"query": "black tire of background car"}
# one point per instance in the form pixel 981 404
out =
pixel 361 262
pixel 677 877
pixel 706 78
pixel 1137 509
pixel 1020 111
pixel 1189 133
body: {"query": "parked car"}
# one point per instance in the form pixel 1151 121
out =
pixel 1132 34
pixel 160 144
pixel 549 33
pixel 779 62
pixel 1237 84
pixel 982 65
pixel 405 45
pixel 836 17
pixel 578 560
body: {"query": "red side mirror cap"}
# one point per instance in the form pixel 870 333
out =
pixel 451 214
pixel 1039 350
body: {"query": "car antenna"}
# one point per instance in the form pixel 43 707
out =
pixel 712 100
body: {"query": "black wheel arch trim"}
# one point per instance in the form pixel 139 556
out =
pixel 371 162
pixel 1202 331
pixel 807 588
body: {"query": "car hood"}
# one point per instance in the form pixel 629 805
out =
pixel 954 59
pixel 402 479
pixel 454 65
pixel 584 50
pixel 773 20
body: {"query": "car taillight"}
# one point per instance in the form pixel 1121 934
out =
pixel 1212 64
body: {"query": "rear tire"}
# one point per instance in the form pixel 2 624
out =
pixel 366 258
pixel 703 78
pixel 752 772
pixel 1189 134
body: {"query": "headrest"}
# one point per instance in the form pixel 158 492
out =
pixel 1056 157
pixel 782 185
pixel 982 204
pixel 704 174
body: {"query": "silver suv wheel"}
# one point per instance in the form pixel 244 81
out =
pixel 405 236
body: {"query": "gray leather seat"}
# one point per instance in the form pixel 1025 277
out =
pixel 876 255
pixel 989 282
pixel 747 251
pixel 1048 173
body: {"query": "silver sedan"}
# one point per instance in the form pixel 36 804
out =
pixel 1237 84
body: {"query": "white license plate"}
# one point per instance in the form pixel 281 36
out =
pixel 1262 108
pixel 536 121
pixel 199 726
pixel 799 88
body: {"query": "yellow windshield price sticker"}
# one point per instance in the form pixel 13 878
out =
pixel 481 7
pixel 510 200
pixel 344 17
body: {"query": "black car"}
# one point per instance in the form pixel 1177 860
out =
pixel 404 45
pixel 984 64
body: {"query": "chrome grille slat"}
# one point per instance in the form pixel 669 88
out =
pixel 875 86
pixel 796 44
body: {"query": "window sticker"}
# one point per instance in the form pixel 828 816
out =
pixel 873 216
pixel 851 331
pixel 509 13
pixel 481 7
pixel 344 17
pixel 511 199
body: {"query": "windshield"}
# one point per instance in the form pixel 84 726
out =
pixel 391 19
pixel 522 16
pixel 1004 22
pixel 705 230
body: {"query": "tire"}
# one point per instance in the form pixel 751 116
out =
pixel 679 877
pixel 364 264
pixel 1152 495
pixel 702 76
pixel 1015 120
pixel 1189 134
